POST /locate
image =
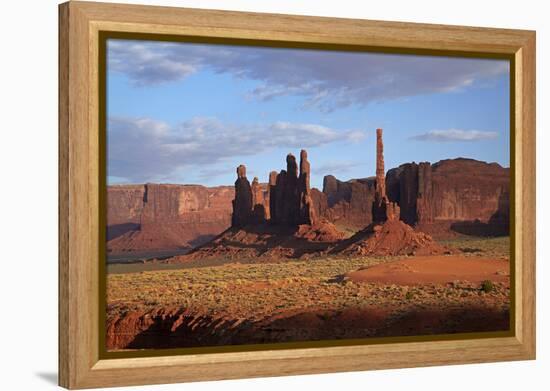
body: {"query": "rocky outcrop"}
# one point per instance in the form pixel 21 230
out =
pixel 124 207
pixel 286 195
pixel 346 204
pixel 456 195
pixel 292 229
pixel 307 209
pixel 266 242
pixel 164 216
pixel 242 204
pixel 450 197
pixel 382 208
pixel 252 202
pixel 387 235
pixel 178 327
pixel 393 237
pixel 288 200
pixel 260 202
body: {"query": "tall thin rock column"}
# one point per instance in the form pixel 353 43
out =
pixel 307 211
pixel 382 208
pixel 273 212
pixel 380 171
pixel 291 204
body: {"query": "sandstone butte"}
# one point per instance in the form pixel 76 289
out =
pixel 294 230
pixel 163 216
pixel 448 198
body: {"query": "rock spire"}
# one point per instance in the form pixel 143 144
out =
pixel 287 200
pixel 242 204
pixel 382 208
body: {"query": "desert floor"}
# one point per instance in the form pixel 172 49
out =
pixel 158 305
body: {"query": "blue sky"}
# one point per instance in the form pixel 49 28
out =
pixel 191 113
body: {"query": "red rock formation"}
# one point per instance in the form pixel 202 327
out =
pixel 452 196
pixel 293 230
pixel 380 171
pixel 243 202
pixel 260 202
pixel 393 211
pixel 272 189
pixel 166 327
pixel 424 201
pixel 266 242
pixel 449 197
pixel 321 231
pixel 382 208
pixel 347 204
pixel 278 194
pixel 290 195
pixel 391 238
pixel 459 195
pixel 307 209
pixel 165 217
pixel 124 206
pixel 291 204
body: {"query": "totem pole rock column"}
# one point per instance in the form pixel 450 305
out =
pixel 382 208
pixel 307 211
pixel 243 202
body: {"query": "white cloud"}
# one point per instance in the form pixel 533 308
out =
pixel 337 167
pixel 455 135
pixel 145 150
pixel 326 80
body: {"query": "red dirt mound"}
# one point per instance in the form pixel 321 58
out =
pixel 390 238
pixel 267 242
pixel 434 270
pixel 322 231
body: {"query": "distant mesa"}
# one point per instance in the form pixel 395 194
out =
pixel 449 198
pixel 164 217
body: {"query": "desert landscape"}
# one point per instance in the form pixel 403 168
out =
pixel 419 249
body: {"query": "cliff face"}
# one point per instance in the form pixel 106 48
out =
pixel 158 216
pixel 124 207
pixel 452 196
pixel 346 204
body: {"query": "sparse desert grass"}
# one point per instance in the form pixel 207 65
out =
pixel 487 286
pixel 482 247
pixel 247 287
pixel 256 291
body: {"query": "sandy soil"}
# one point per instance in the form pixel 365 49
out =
pixel 434 270
pixel 363 297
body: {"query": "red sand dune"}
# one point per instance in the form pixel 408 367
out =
pixel 434 270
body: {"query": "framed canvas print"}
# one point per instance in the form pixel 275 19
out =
pixel 248 195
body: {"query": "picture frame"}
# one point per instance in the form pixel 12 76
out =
pixel 82 29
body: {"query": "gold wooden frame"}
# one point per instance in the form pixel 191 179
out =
pixel 81 163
